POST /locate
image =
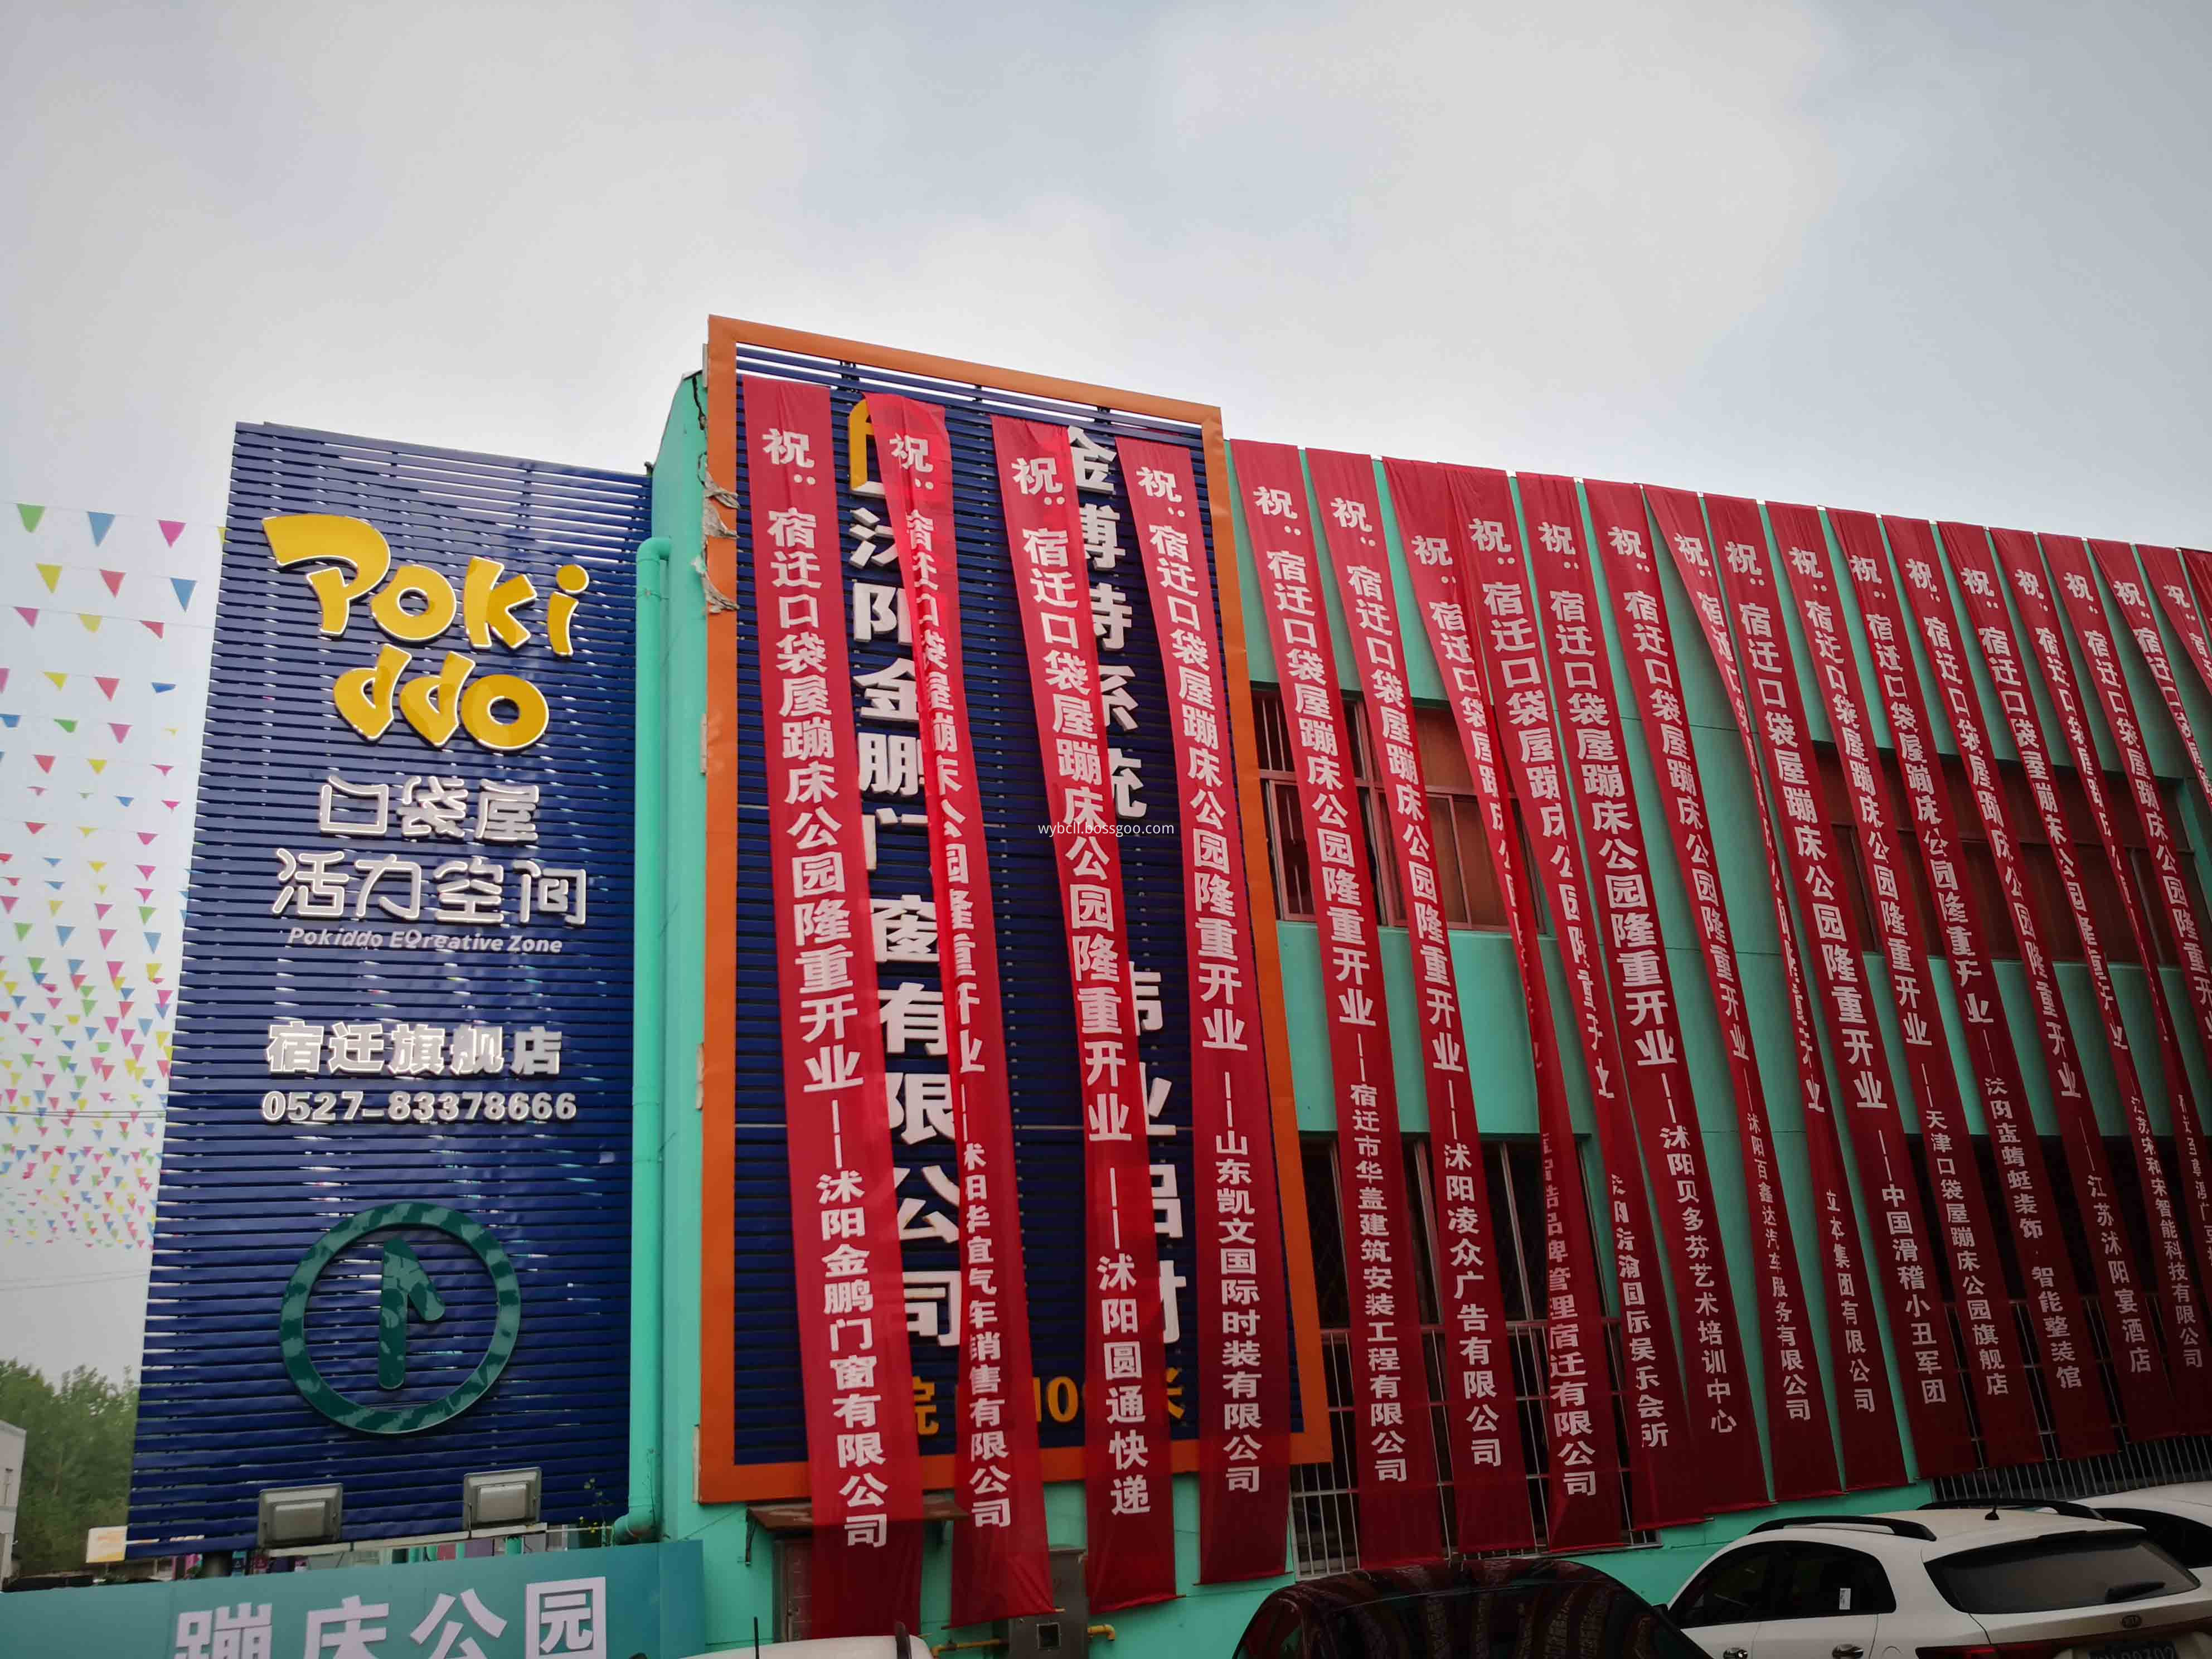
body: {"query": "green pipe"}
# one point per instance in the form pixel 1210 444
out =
pixel 647 1063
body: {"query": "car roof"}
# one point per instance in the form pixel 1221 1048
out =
pixel 1365 1586
pixel 2197 1493
pixel 1953 1529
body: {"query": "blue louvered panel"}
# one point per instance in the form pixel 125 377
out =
pixel 1032 947
pixel 242 1199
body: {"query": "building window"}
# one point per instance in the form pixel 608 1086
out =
pixel 1468 884
pixel 1324 1508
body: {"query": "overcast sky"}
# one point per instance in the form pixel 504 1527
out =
pixel 1939 258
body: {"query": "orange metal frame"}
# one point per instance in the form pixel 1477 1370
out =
pixel 721 1478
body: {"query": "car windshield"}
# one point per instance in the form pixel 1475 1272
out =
pixel 2076 1569
pixel 1600 1621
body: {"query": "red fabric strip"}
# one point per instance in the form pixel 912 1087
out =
pixel 1396 1452
pixel 2076 586
pixel 1797 1406
pixel 2129 1327
pixel 1873 1454
pixel 1130 1558
pixel 2169 585
pixel 863 1462
pixel 1976 568
pixel 1926 1361
pixel 1438 548
pixel 2069 1373
pixel 1244 1346
pixel 1002 1554
pixel 1489 1481
pixel 1729 1473
pixel 2078 589
pixel 2188 568
pixel 1667 1489
pixel 1992 1335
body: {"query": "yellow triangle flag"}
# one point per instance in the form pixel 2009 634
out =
pixel 91 622
pixel 51 573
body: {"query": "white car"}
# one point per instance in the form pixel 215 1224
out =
pixel 2178 1518
pixel 1946 1583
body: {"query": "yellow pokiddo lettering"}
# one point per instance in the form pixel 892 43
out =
pixel 561 609
pixel 352 544
pixel 528 723
pixel 488 605
pixel 433 704
pixel 363 695
pixel 421 582
pixel 417 605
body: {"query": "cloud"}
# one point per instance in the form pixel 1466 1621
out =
pixel 1900 255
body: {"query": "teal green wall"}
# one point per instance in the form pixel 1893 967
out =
pixel 1208 1619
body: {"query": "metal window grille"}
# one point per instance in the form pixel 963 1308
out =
pixel 1324 1506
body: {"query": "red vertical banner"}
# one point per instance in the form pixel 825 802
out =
pixel 2076 588
pixel 2169 583
pixel 1130 1558
pixel 2131 1330
pixel 1002 1554
pixel 1669 1488
pixel 2071 1382
pixel 1976 568
pixel 1905 1264
pixel 2077 591
pixel 1723 1423
pixel 2117 560
pixel 1962 1214
pixel 1244 1371
pixel 1390 1427
pixel 1489 1481
pixel 1585 1505
pixel 2174 572
pixel 1804 1460
pixel 1873 1454
pixel 863 1462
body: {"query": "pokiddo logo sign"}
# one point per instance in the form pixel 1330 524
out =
pixel 417 605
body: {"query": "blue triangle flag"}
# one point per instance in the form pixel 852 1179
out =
pixel 101 524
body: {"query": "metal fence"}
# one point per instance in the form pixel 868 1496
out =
pixel 1324 1505
pixel 2146 1463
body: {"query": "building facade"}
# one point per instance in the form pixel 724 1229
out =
pixel 1205 1011
pixel 2014 1428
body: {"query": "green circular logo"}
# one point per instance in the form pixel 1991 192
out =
pixel 406 1288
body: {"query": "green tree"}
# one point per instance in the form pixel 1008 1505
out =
pixel 76 1461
